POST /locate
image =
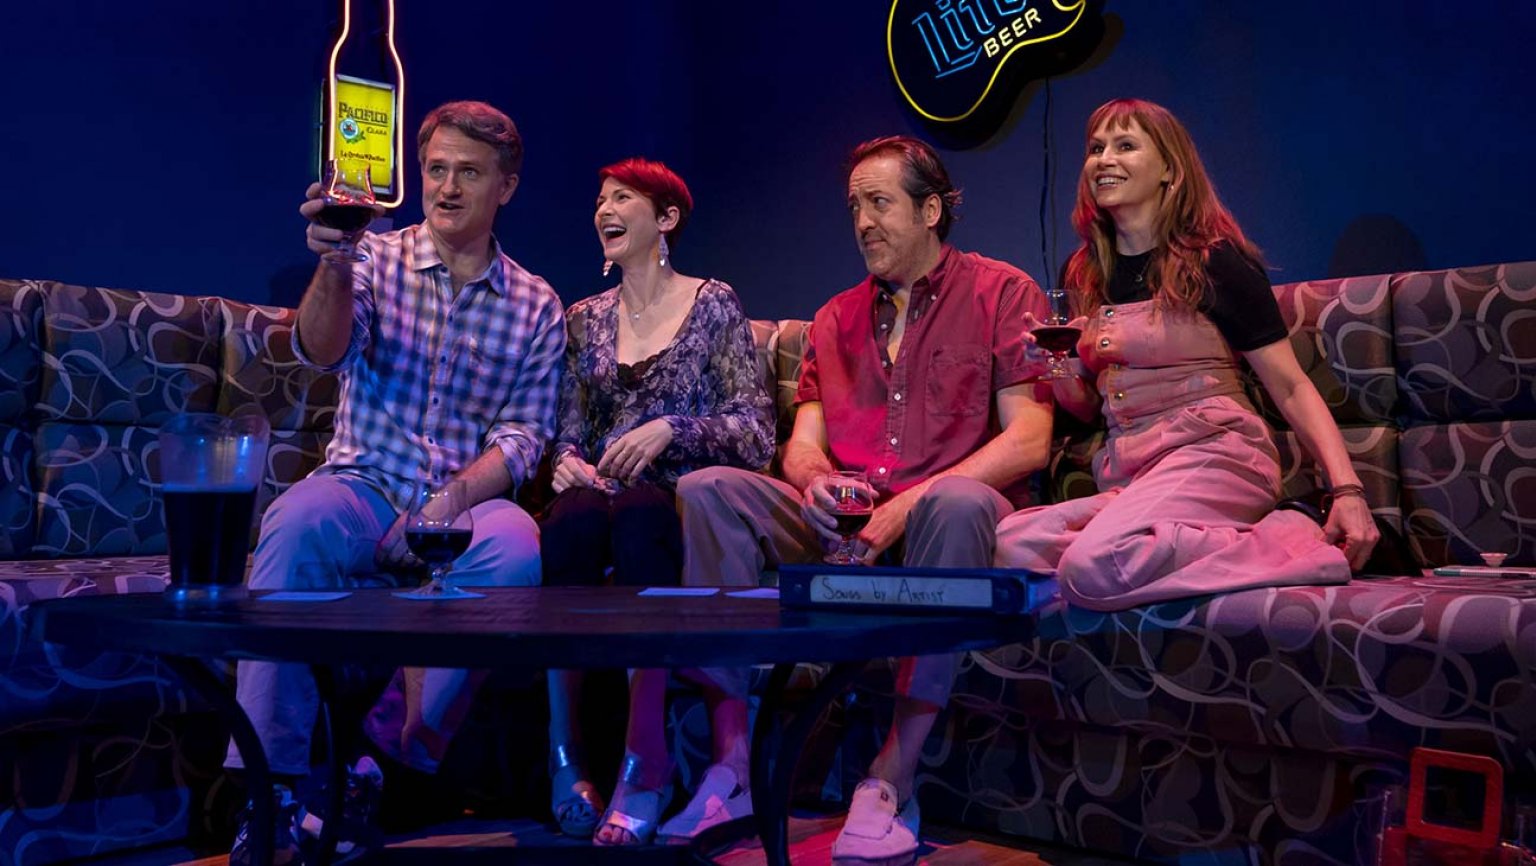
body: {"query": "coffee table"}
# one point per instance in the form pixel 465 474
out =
pixel 537 628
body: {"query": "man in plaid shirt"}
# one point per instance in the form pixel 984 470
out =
pixel 449 355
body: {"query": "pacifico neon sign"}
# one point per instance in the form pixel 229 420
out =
pixel 363 117
pixel 947 55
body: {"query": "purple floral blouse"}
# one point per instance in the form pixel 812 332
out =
pixel 705 383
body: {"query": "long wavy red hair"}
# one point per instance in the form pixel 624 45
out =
pixel 1190 219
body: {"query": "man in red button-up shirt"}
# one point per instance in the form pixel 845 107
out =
pixel 917 376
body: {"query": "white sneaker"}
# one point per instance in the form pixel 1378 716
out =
pixel 877 830
pixel 721 797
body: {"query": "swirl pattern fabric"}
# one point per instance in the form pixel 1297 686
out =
pixel 120 357
pixel 21 373
pixel 1466 343
pixel 100 750
pixel 259 371
pixel 1177 725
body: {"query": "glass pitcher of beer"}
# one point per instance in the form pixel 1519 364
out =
pixel 211 466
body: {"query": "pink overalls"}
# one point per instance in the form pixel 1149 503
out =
pixel 1189 478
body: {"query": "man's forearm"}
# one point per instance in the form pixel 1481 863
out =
pixel 325 314
pixel 804 463
pixel 487 477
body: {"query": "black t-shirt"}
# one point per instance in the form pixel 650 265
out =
pixel 1240 303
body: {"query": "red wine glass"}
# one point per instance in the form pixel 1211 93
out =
pixel 1057 338
pixel 853 502
pixel 349 206
pixel 438 531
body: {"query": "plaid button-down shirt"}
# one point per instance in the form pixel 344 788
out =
pixel 431 379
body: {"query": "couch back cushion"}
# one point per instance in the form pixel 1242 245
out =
pixel 1465 343
pixel 1341 332
pixel 116 364
pixel 260 372
pixel 21 372
pixel 126 358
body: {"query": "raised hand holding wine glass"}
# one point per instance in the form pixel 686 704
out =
pixel 853 503
pixel 438 531
pixel 1056 336
pixel 349 206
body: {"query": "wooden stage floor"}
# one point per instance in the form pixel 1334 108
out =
pixel 811 845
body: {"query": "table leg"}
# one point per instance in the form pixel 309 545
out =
pixel 258 774
pixel 776 749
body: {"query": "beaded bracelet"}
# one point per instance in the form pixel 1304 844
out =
pixel 1347 490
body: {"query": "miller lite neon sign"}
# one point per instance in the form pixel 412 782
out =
pixel 950 58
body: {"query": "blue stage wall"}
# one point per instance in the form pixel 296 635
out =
pixel 167 144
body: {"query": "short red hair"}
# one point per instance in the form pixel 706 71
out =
pixel 656 182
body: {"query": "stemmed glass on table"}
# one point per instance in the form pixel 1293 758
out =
pixel 1056 337
pixel 853 501
pixel 438 531
pixel 349 205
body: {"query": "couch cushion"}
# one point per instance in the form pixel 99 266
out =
pixel 260 371
pixel 21 354
pixel 765 340
pixel 21 313
pixel 1470 489
pixel 792 339
pixel 18 512
pixel 98 750
pixel 1466 343
pixel 42 684
pixel 1372 668
pixel 1242 725
pixel 97 491
pixel 1372 452
pixel 1341 331
pixel 1146 797
pixel 126 357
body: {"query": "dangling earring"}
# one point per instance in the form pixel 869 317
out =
pixel 607 266
pixel 662 252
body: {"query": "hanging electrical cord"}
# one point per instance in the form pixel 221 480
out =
pixel 1045 189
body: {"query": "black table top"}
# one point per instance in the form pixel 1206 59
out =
pixel 539 627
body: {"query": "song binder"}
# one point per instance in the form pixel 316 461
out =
pixel 915 590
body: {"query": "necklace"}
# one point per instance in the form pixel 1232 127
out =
pixel 634 314
pixel 1141 276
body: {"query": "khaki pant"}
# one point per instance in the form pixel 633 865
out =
pixel 736 524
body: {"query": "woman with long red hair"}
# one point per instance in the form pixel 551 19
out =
pixel 1171 296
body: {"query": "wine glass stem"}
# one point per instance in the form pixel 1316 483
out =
pixel 437 584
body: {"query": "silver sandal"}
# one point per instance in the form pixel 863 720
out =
pixel 576 813
pixel 642 829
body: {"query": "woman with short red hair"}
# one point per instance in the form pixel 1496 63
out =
pixel 661 378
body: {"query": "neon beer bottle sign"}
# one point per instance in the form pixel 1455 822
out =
pixel 947 55
pixel 362 116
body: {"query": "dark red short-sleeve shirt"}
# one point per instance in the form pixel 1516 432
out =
pixel 932 406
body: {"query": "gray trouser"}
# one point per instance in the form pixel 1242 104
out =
pixel 737 523
pixel 321 534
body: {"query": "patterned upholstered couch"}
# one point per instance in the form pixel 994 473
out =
pixel 1241 726
pixel 100 751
